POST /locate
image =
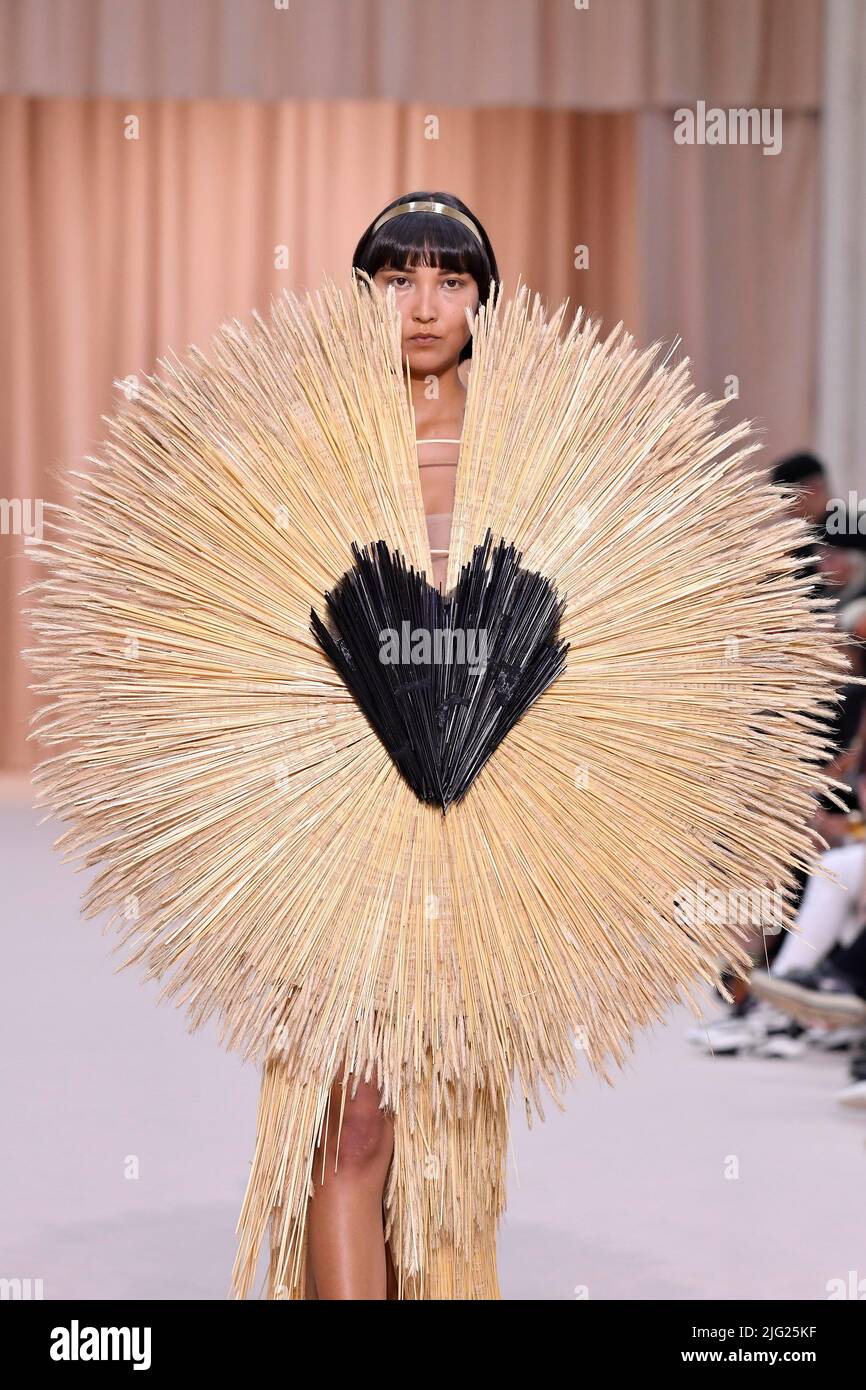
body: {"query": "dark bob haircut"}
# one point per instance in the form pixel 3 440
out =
pixel 431 239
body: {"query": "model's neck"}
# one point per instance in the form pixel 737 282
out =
pixel 448 402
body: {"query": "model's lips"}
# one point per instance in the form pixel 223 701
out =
pixel 424 338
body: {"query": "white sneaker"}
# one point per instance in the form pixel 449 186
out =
pixel 741 1034
pixel 728 1018
pixel 697 1034
pixel 855 1095
pixel 830 1039
pixel 780 1045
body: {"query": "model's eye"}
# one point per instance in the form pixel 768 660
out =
pixel 394 278
pixel 455 281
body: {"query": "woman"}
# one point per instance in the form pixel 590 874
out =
pixel 438 258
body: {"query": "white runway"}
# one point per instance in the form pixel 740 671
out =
pixel 127 1143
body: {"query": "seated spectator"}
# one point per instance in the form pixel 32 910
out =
pixel 846 729
pixel 806 475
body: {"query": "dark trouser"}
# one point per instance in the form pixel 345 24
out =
pixel 851 960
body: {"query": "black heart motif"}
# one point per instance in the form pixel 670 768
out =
pixel 442 678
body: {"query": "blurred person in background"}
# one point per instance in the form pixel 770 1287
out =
pixel 750 1023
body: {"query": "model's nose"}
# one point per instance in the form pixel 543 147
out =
pixel 424 308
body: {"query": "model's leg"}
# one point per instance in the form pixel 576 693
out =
pixel 311 1293
pixel 346 1229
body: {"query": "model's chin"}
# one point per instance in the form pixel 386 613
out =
pixel 427 355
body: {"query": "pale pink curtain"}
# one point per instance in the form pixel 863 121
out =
pixel 730 264
pixel 610 55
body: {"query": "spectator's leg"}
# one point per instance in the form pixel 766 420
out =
pixel 825 911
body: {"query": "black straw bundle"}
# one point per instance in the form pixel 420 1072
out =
pixel 442 678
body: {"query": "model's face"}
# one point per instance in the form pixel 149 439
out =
pixel 432 304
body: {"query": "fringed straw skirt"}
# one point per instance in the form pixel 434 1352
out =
pixel 444 1193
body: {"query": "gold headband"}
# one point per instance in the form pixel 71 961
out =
pixel 428 205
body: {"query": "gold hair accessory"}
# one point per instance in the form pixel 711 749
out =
pixel 428 205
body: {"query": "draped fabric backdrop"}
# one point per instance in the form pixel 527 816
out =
pixel 841 425
pixel 266 137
